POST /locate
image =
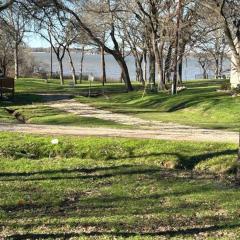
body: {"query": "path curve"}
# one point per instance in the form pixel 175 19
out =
pixel 85 110
pixel 166 133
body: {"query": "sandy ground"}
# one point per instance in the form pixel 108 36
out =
pixel 164 133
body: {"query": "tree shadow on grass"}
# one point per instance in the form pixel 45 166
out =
pixel 169 233
pixel 183 162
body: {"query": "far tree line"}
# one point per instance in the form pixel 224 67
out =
pixel 158 32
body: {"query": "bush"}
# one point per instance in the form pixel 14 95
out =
pixel 237 89
pixel 225 86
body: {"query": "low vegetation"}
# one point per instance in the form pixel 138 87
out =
pixel 199 105
pixel 104 188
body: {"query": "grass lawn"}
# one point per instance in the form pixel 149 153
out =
pixel 28 101
pixel 40 114
pixel 102 188
pixel 200 105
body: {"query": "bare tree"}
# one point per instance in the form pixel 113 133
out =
pixel 115 51
pixel 227 12
pixel 17 23
pixel 6 5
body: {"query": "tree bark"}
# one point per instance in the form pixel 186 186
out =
pixel 81 64
pixel 168 64
pixel 175 79
pixel 125 72
pixel 61 71
pixel 159 62
pixel 180 71
pixel 16 61
pixel 145 65
pixel 152 68
pixel 51 62
pixel 104 78
pixel 72 67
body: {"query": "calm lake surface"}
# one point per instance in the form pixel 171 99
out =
pixel 92 64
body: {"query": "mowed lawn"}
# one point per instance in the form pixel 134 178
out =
pixel 200 105
pixel 103 188
pixel 30 98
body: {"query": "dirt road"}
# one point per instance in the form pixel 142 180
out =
pixel 166 132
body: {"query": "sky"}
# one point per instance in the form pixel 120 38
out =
pixel 33 40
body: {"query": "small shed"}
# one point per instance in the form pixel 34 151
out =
pixel 7 87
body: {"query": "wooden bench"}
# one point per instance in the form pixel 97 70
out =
pixel 7 85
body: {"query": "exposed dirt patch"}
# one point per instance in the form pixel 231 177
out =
pixel 15 113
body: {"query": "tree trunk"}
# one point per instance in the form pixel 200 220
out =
pixel 16 61
pixel 104 79
pixel 158 57
pixel 72 67
pixel 167 70
pixel 125 73
pixel 137 70
pixel 121 77
pixel 61 71
pixel 180 71
pixel 235 74
pixel 205 75
pixel 175 75
pixel 217 67
pixel 81 64
pixel 141 78
pixel 51 62
pixel 145 65
pixel 152 68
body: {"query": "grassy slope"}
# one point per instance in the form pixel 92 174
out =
pixel 114 188
pixel 200 105
pixel 52 116
pixel 27 98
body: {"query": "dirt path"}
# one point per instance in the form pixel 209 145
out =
pixel 164 133
pixel 85 110
pixel 146 129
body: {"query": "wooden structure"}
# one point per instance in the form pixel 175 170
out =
pixel 7 86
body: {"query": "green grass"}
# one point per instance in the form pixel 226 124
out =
pixel 30 96
pixel 102 188
pixel 30 85
pixel 40 114
pixel 5 118
pixel 199 105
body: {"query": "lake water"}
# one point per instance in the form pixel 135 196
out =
pixel 92 64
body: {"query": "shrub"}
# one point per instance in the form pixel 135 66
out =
pixel 225 86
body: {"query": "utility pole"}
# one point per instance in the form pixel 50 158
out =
pixel 178 15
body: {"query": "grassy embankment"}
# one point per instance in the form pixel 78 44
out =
pixel 200 105
pixel 116 188
pixel 29 101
